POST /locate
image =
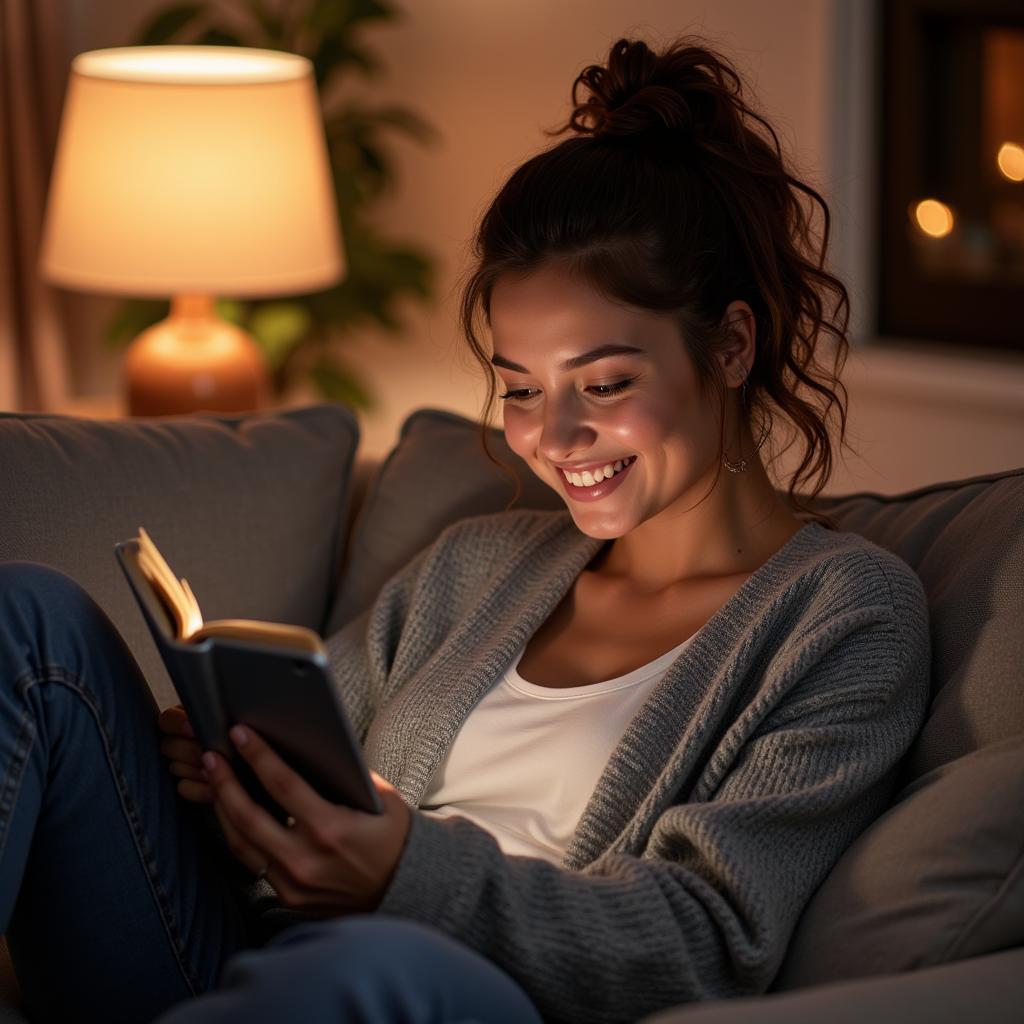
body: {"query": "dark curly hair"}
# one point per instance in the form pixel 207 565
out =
pixel 673 196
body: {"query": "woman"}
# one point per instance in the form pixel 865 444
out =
pixel 619 746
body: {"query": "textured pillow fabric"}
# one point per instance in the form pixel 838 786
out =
pixel 965 540
pixel 247 508
pixel 436 474
pixel 938 878
pixel 986 990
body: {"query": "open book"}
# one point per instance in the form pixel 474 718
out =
pixel 273 677
pixel 181 604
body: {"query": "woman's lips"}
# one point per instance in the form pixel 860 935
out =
pixel 595 492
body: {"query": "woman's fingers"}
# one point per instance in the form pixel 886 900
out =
pixel 197 792
pixel 185 751
pixel 255 861
pixel 174 722
pixel 186 763
pixel 186 771
pixel 289 789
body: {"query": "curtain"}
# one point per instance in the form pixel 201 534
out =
pixel 33 69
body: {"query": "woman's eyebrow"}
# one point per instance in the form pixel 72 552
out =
pixel 602 352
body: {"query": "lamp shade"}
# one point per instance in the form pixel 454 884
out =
pixel 191 169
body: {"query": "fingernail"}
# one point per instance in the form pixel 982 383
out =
pixel 239 735
pixel 209 761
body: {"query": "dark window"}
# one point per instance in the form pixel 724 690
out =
pixel 951 202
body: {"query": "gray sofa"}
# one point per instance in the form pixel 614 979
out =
pixel 272 516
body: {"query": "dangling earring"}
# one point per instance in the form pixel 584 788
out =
pixel 740 466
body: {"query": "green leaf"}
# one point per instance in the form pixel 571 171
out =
pixel 279 327
pixel 334 54
pixel 131 318
pixel 166 24
pixel 337 384
pixel 231 310
pixel 375 166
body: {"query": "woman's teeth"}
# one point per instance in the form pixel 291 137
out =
pixel 588 478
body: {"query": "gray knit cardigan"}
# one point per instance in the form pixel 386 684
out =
pixel 767 747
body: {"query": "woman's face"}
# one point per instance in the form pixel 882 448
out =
pixel 602 392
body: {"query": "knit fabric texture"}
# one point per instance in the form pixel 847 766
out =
pixel 765 750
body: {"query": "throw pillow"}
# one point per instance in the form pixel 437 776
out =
pixel 248 508
pixel 939 877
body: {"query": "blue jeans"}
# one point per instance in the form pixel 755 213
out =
pixel 118 899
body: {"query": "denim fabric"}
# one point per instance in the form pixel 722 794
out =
pixel 116 899
pixel 119 899
pixel 363 970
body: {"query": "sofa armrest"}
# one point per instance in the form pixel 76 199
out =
pixel 986 988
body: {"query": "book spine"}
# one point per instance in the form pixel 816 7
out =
pixel 194 678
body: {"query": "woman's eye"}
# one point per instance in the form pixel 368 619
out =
pixel 600 390
pixel 606 390
pixel 517 394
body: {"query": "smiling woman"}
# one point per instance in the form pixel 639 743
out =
pixel 618 746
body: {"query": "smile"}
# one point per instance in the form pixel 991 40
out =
pixel 598 482
pixel 595 475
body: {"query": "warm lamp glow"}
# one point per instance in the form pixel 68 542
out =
pixel 933 218
pixel 192 172
pixel 191 65
pixel 1010 160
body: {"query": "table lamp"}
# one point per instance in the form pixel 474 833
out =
pixel 192 172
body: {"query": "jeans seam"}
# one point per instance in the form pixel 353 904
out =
pixel 13 778
pixel 59 675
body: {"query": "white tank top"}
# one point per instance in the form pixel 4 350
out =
pixel 528 757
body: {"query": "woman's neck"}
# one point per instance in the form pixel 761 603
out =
pixel 733 531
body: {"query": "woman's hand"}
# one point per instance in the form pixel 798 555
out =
pixel 186 756
pixel 329 859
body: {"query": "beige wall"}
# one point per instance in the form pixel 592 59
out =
pixel 491 74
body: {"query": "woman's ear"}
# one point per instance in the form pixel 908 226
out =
pixel 740 347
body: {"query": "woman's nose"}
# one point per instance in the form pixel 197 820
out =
pixel 564 431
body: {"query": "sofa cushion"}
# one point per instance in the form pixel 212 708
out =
pixel 939 877
pixel 246 507
pixel 988 989
pixel 965 539
pixel 436 474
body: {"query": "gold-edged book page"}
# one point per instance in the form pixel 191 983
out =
pixel 276 634
pixel 179 600
pixel 177 596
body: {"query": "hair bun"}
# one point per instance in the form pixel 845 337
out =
pixel 639 93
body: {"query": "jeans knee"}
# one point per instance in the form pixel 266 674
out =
pixel 378 963
pixel 364 942
pixel 44 613
pixel 19 578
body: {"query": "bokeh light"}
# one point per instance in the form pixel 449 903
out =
pixel 1011 161
pixel 933 218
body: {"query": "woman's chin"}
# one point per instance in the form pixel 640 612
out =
pixel 596 526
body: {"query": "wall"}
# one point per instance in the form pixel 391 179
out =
pixel 492 75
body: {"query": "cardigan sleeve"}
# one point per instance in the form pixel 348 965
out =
pixel 362 652
pixel 706 910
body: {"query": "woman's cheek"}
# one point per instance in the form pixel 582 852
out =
pixel 520 432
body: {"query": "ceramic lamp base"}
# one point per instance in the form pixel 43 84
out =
pixel 193 362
